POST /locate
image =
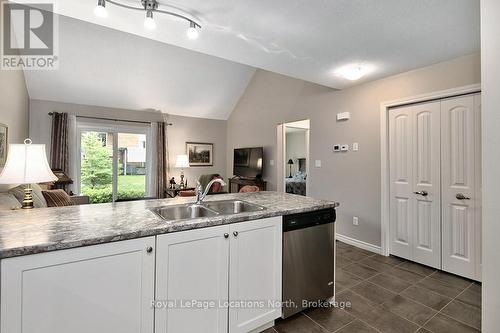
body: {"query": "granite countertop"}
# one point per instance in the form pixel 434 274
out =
pixel 25 232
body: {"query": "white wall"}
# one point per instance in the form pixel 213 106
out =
pixel 353 179
pixel 14 104
pixel 188 129
pixel 183 129
pixel 490 51
pixel 14 107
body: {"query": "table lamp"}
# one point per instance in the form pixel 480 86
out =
pixel 290 163
pixel 182 162
pixel 26 164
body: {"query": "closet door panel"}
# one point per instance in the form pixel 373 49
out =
pixel 459 185
pixel 401 207
pixel 426 184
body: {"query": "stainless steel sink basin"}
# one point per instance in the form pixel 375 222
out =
pixel 182 212
pixel 207 209
pixel 232 206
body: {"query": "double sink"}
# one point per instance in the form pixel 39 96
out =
pixel 206 209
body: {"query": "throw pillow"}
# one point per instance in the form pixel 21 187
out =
pixel 38 198
pixel 57 198
pixel 8 201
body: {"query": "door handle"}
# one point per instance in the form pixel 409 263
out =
pixel 226 235
pixel 423 193
pixel 460 196
pixel 235 234
pixel 149 249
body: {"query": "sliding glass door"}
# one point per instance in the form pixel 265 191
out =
pixel 113 162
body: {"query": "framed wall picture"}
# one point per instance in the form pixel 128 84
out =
pixel 4 136
pixel 200 154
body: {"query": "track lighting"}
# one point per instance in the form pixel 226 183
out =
pixel 192 32
pixel 150 6
pixel 100 9
pixel 149 22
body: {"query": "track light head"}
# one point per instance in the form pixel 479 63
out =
pixel 100 9
pixel 192 32
pixel 149 22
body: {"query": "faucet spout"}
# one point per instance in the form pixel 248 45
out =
pixel 200 194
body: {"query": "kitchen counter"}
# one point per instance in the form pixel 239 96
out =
pixel 24 232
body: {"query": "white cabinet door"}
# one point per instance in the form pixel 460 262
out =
pixel 255 273
pixel 191 267
pixel 460 222
pixel 401 178
pixel 100 289
pixel 414 139
pixel 426 198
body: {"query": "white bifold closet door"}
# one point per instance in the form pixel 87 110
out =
pixel 461 179
pixel 415 207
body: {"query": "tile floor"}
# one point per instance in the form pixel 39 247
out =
pixel 389 294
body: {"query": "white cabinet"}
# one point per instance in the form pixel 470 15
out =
pixel 100 289
pixel 181 282
pixel 192 266
pixel 201 272
pixel 255 273
pixel 435 175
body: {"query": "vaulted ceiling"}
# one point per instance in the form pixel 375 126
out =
pixel 309 40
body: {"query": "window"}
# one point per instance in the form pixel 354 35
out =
pixel 113 162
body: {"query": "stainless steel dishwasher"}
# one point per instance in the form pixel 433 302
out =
pixel 308 259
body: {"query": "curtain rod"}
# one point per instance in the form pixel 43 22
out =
pixel 111 119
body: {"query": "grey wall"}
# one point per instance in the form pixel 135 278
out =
pixel 296 147
pixel 184 129
pixel 353 178
pixel 14 104
pixel 187 129
pixel 490 50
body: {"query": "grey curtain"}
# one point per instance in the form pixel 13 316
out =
pixel 59 145
pixel 162 163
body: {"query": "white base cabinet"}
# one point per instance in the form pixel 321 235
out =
pixel 216 280
pixel 219 279
pixel 99 289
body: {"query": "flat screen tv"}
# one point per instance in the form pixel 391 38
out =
pixel 248 162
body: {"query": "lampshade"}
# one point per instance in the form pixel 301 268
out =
pixel 26 164
pixel 182 161
pixel 290 161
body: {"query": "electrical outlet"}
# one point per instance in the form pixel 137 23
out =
pixel 355 146
pixel 355 220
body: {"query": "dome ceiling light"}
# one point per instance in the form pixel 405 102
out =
pixel 150 7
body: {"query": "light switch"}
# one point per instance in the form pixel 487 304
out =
pixel 355 146
pixel 317 163
pixel 271 162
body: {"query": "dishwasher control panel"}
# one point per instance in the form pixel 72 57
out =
pixel 305 220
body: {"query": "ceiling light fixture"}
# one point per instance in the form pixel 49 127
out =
pixel 100 9
pixel 353 72
pixel 149 21
pixel 192 32
pixel 150 7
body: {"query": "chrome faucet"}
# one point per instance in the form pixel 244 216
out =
pixel 200 194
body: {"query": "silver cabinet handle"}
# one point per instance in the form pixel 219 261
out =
pixel 235 233
pixel 226 235
pixel 149 249
pixel 423 193
pixel 460 196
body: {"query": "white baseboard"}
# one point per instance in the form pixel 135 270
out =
pixel 363 245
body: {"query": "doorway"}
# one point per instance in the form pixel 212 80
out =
pixel 293 159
